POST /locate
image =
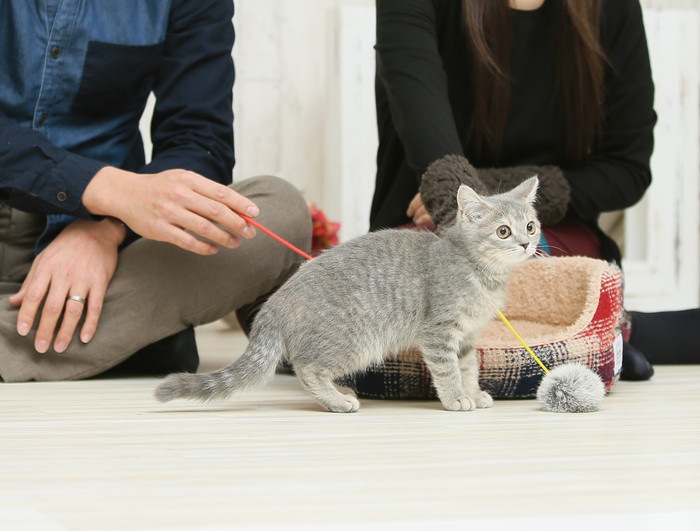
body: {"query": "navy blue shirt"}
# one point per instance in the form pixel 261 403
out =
pixel 74 80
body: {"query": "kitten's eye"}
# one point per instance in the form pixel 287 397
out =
pixel 531 228
pixel 503 232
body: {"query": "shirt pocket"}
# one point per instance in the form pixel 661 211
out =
pixel 116 78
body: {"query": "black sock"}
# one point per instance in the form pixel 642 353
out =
pixel 667 337
pixel 176 353
pixel 635 367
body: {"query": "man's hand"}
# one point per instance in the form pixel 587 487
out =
pixel 175 206
pixel 81 262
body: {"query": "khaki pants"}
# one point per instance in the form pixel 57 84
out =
pixel 158 289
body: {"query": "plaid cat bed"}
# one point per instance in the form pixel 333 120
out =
pixel 568 309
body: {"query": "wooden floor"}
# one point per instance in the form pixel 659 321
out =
pixel 103 454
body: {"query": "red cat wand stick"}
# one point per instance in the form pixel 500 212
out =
pixel 275 237
pixel 572 388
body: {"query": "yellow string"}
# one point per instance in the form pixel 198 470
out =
pixel 515 333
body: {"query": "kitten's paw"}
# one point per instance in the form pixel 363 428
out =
pixel 461 403
pixel 483 400
pixel 348 404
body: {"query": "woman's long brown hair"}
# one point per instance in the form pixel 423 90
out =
pixel 580 71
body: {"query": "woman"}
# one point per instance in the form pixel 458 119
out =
pixel 491 92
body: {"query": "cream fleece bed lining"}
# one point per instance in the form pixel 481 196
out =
pixel 548 300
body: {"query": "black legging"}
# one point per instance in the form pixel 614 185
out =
pixel 667 338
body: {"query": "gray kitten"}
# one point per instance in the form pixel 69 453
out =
pixel 383 293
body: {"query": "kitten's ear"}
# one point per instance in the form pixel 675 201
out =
pixel 527 190
pixel 470 204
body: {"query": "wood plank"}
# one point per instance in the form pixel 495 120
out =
pixel 103 454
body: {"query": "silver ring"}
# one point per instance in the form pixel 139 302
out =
pixel 77 298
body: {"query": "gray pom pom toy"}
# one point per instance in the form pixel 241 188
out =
pixel 571 388
pixel 568 388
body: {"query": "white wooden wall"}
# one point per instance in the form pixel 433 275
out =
pixel 304 110
pixel 662 232
pixel 304 100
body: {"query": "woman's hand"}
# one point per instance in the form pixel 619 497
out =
pixel 81 262
pixel 175 206
pixel 418 212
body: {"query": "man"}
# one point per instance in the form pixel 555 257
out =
pixel 105 258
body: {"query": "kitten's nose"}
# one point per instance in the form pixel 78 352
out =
pixel 525 245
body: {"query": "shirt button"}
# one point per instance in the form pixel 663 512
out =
pixel 61 196
pixel 55 52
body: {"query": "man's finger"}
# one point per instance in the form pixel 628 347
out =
pixel 188 242
pixel 214 221
pixel 93 312
pixel 50 313
pixel 223 194
pixel 72 312
pixel 34 291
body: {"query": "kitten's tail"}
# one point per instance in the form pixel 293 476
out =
pixel 255 367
